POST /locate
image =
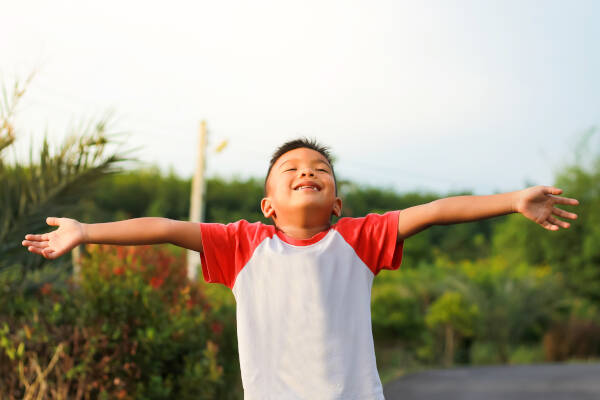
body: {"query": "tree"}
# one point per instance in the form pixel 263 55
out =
pixel 455 317
pixel 516 301
pixel 49 185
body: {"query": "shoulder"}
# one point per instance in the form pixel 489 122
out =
pixel 374 239
pixel 239 230
pixel 368 221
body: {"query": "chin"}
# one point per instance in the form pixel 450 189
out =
pixel 312 207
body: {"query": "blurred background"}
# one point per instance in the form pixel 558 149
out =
pixel 100 110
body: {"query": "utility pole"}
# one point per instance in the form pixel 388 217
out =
pixel 76 260
pixel 197 199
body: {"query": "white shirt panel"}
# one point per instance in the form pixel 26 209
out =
pixel 304 322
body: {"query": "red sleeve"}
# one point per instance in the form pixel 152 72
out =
pixel 374 239
pixel 227 248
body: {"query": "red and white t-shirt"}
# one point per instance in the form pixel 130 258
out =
pixel 303 306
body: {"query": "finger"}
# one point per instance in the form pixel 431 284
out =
pixel 38 238
pixel 52 254
pixel 566 200
pixel 558 222
pixel 549 226
pixel 563 213
pixel 552 190
pixel 49 253
pixel 36 250
pixel 41 245
pixel 53 221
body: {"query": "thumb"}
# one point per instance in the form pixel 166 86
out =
pixel 552 190
pixel 48 253
pixel 53 221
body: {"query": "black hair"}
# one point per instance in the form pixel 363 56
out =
pixel 298 144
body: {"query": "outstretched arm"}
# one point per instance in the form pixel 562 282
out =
pixel 137 231
pixel 535 203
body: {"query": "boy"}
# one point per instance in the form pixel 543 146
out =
pixel 302 285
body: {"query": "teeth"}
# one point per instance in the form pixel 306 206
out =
pixel 307 187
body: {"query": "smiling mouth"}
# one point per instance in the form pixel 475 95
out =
pixel 307 188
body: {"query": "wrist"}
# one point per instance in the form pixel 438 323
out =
pixel 84 233
pixel 516 201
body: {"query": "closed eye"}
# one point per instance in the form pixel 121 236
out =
pixel 291 169
pixel 324 170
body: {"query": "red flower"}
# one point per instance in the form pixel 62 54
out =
pixel 216 327
pixel 189 304
pixel 156 282
pixel 46 288
pixel 118 270
pixel 121 253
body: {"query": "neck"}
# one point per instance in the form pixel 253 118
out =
pixel 302 223
pixel 300 232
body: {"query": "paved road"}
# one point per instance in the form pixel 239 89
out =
pixel 523 382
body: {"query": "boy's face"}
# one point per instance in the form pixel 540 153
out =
pixel 301 180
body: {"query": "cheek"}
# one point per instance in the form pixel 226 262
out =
pixel 273 186
pixel 280 192
pixel 331 183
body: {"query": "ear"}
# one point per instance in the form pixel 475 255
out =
pixel 267 207
pixel 337 207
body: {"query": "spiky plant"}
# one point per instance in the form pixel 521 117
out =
pixel 51 184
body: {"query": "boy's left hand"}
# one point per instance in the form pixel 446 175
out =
pixel 537 204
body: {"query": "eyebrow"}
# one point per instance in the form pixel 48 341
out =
pixel 322 161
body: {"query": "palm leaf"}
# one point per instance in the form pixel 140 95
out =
pixel 52 185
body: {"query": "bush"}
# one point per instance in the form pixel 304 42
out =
pixel 524 354
pixel 132 327
pixel 470 311
pixel 394 314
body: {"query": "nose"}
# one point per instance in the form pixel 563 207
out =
pixel 307 171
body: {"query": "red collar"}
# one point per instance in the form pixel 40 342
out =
pixel 301 242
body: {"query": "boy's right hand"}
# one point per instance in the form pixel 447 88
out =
pixel 69 234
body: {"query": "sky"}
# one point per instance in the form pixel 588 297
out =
pixel 441 96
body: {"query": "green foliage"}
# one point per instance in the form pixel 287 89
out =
pixel 395 313
pixel 527 354
pixel 234 200
pixel 50 185
pixel 132 327
pixel 576 252
pixel 361 200
pixel 399 300
pixel 519 240
pixel 453 318
pixel 517 302
pixel 573 252
pixel 451 309
pixel 139 193
pixel 148 192
pixel 483 353
pixel 489 301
